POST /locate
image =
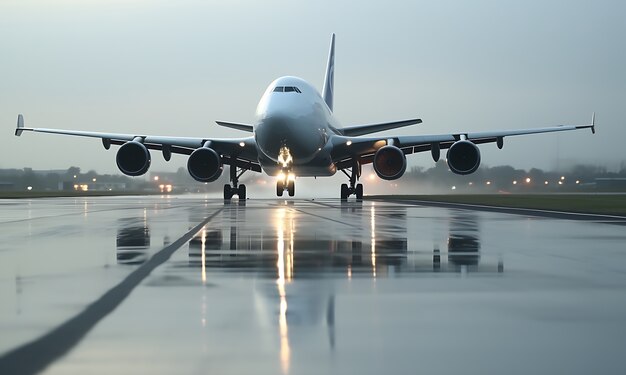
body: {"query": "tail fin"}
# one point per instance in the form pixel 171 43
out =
pixel 329 80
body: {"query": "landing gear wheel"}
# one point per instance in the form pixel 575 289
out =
pixel 291 188
pixel 344 192
pixel 228 193
pixel 359 192
pixel 241 192
pixel 280 187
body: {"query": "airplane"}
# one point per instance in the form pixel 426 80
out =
pixel 295 134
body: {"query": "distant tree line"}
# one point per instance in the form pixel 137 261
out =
pixel 439 177
pixel 506 178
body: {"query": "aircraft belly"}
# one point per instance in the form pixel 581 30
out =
pixel 320 166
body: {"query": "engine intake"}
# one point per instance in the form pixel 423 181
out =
pixel 133 158
pixel 205 165
pixel 463 157
pixel 389 163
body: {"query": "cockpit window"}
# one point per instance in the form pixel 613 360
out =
pixel 287 89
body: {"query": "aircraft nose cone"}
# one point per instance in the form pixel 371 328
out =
pixel 303 140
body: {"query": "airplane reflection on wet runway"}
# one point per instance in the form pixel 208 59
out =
pixel 133 241
pixel 285 252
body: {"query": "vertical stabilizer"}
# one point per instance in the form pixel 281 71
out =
pixel 329 80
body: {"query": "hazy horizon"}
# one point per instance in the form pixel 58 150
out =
pixel 173 68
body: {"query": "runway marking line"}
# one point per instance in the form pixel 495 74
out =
pixel 38 354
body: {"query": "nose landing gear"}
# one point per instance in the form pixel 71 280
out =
pixel 285 182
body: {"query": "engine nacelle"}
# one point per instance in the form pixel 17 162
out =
pixel 389 163
pixel 133 158
pixel 463 157
pixel 205 165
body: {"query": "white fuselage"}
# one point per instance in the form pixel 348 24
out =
pixel 292 130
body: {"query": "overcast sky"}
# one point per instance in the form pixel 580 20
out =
pixel 173 67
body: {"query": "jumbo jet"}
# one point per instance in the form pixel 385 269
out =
pixel 295 134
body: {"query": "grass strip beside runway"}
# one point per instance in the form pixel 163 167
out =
pixel 603 204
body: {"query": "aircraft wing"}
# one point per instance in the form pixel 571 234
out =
pixel 243 148
pixel 346 149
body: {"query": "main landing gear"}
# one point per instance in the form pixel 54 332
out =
pixel 285 183
pixel 353 188
pixel 239 191
pixel 236 188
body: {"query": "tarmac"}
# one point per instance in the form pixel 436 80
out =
pixel 194 285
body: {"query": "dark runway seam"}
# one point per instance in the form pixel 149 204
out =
pixel 36 355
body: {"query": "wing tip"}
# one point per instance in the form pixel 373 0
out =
pixel 593 122
pixel 20 125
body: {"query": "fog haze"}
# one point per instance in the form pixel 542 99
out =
pixel 172 68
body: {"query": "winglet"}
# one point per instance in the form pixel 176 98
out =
pixel 20 125
pixel 329 79
pixel 593 123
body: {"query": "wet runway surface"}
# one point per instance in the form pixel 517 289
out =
pixel 192 285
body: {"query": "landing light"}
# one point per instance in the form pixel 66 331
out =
pixel 286 177
pixel 284 157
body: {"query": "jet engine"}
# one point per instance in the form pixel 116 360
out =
pixel 463 157
pixel 133 158
pixel 205 165
pixel 389 163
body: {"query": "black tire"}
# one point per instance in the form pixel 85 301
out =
pixel 280 188
pixel 359 191
pixel 291 188
pixel 344 192
pixel 241 192
pixel 228 193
